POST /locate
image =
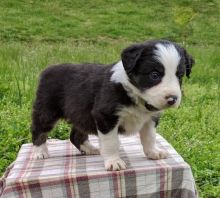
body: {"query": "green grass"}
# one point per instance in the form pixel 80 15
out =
pixel 34 34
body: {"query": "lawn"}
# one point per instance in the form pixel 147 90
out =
pixel 34 34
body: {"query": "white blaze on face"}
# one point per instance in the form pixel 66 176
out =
pixel 169 57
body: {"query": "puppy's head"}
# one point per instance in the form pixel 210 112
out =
pixel 155 69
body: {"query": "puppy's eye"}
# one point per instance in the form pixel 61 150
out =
pixel 155 75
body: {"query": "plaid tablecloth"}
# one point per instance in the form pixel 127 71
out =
pixel 67 173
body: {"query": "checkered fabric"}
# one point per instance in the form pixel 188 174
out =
pixel 67 173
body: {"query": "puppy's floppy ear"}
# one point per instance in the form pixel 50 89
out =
pixel 189 62
pixel 130 56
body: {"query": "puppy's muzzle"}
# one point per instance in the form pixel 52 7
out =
pixel 150 107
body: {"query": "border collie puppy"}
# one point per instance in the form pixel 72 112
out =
pixel 121 98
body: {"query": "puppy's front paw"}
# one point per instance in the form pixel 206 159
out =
pixel 40 152
pixel 115 164
pixel 156 154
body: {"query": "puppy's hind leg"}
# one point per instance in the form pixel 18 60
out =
pixel 81 141
pixel 42 122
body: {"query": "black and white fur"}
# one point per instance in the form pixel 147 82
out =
pixel 126 97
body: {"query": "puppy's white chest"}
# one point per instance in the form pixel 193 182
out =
pixel 132 119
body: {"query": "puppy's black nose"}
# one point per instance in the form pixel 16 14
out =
pixel 171 99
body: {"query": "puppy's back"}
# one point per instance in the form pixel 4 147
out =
pixel 67 90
